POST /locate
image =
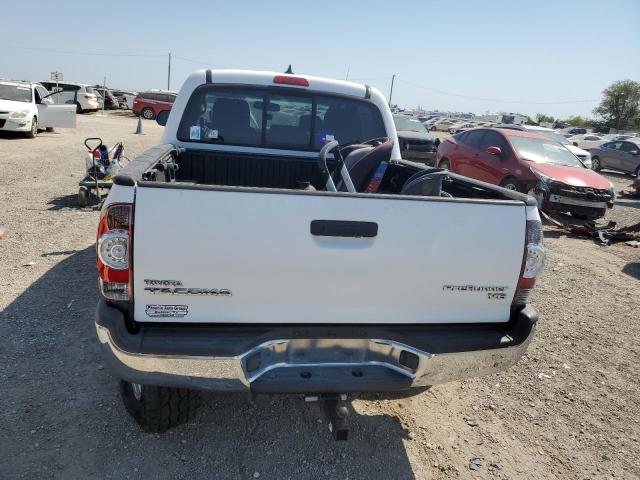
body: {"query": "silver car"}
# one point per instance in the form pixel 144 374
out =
pixel 620 155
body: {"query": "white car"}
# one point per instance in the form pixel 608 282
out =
pixel 457 127
pixel 29 107
pixel 444 124
pixel 588 141
pixel 86 99
pixel 125 98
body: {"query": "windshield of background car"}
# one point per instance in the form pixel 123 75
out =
pixel 277 118
pixel 408 124
pixel 541 150
pixel 89 89
pixel 552 136
pixel 16 93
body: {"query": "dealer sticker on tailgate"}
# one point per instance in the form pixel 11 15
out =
pixel 167 311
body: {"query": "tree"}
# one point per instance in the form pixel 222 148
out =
pixel 542 118
pixel 577 121
pixel 620 105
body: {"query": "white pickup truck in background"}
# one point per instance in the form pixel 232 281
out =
pixel 227 262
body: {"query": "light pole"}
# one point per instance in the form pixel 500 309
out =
pixel 393 77
pixel 169 73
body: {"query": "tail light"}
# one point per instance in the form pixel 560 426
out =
pixel 532 261
pixel 288 80
pixel 88 97
pixel 115 232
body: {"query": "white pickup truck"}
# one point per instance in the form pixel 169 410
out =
pixel 276 242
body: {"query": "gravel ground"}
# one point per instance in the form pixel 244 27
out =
pixel 569 409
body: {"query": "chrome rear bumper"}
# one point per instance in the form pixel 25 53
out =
pixel 307 365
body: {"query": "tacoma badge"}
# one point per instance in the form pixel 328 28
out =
pixel 175 287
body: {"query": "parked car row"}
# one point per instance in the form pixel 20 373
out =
pixel 587 141
pixel 33 106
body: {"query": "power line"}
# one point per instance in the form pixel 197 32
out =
pixel 106 54
pixel 198 62
pixel 203 63
pixel 470 97
pixel 370 79
pixel 70 52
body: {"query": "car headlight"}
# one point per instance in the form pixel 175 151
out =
pixel 19 114
pixel 543 178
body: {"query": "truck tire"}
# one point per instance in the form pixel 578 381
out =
pixel 157 409
pixel 79 108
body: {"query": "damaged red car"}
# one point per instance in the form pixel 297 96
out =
pixel 531 163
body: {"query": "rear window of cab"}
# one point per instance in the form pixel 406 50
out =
pixel 277 118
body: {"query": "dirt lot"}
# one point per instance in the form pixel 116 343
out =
pixel 569 409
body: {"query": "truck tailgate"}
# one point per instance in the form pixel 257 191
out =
pixel 225 255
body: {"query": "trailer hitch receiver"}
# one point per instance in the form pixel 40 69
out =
pixel 336 408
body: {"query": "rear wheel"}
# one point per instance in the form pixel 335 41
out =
pixel 33 133
pixel 445 164
pixel 157 409
pixel 78 108
pixel 511 183
pixel 148 113
pixel 595 164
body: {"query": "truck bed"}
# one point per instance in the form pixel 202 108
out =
pixel 246 170
pixel 206 167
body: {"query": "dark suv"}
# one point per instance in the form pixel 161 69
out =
pixel 150 103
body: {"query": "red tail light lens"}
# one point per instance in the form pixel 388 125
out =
pixel 114 251
pixel 287 80
pixel 532 262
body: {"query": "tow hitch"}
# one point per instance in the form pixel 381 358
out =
pixel 336 407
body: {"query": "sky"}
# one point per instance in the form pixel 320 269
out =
pixel 552 57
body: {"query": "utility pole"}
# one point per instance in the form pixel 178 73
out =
pixel 393 77
pixel 169 73
pixel 104 95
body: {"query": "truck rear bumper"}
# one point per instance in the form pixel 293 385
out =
pixel 309 359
